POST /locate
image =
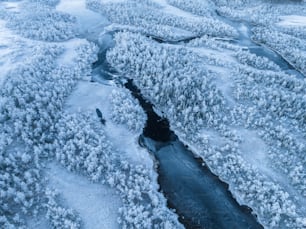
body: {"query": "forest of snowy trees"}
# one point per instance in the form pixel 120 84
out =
pixel 194 61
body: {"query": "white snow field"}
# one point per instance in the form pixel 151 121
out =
pixel 228 75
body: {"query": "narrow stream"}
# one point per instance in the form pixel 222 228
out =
pixel 244 39
pixel 198 196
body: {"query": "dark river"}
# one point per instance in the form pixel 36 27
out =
pixel 199 197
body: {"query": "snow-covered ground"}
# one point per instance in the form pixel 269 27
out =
pixel 97 204
pixel 89 24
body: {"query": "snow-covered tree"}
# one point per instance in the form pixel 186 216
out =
pixel 126 110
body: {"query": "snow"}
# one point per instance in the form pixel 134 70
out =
pixel 292 20
pixel 70 52
pixel 97 204
pixel 89 22
pixel 87 97
pixel 4 65
pixel 254 150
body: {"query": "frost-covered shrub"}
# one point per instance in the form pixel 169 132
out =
pixel 32 96
pixel 288 41
pixel 159 32
pixel 86 56
pixel 247 13
pixel 279 80
pixel 30 107
pixel 298 175
pixel 280 94
pixel 35 92
pixel 26 115
pixel 144 207
pixel 126 110
pixel 272 204
pixel 270 102
pixel 296 31
pixel 42 22
pixel 59 216
pixel 232 2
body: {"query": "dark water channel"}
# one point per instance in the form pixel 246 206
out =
pixel 200 199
